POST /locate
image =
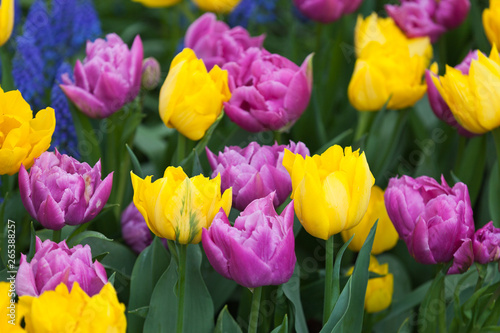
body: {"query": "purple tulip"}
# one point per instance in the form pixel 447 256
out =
pixel 215 43
pixel 109 77
pixel 486 244
pixel 258 250
pixel 60 190
pixel 434 220
pixel 151 72
pixel 56 263
pixel 254 171
pixel 438 105
pixel 419 18
pixel 135 231
pixel 269 92
pixel 326 11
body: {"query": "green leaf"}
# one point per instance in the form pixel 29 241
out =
pixel 336 140
pixel 141 312
pixel 405 327
pixel 198 306
pixel 148 268
pixel 291 289
pixel 226 323
pixel 336 270
pixel 283 328
pixel 31 253
pixel 432 306
pixel 79 238
pixel 494 195
pixel 99 257
pixel 334 323
pixel 111 279
pixel 135 162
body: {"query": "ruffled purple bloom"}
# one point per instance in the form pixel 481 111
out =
pixel 434 220
pixel 326 11
pixel 259 250
pixel 135 231
pixel 438 105
pixel 419 18
pixel 254 171
pixel 59 190
pixel 486 244
pixel 109 77
pixel 54 264
pixel 269 92
pixel 216 43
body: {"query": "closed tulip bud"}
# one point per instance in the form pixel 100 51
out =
pixel 258 250
pixel 54 264
pixel 491 22
pixel 472 97
pixel 254 172
pixel 217 6
pixel 379 290
pixel 158 3
pixel 191 98
pixel 433 219
pixel 22 137
pixel 331 191
pixel 177 207
pixel 386 236
pixel 326 11
pixel 99 313
pixel 216 43
pixel 269 92
pixel 486 244
pixel 151 73
pixel 108 78
pixel 436 101
pixel 59 190
pixel 6 20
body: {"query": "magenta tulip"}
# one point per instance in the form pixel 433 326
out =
pixel 269 92
pixel 59 190
pixel 56 263
pixel 258 250
pixel 254 172
pixel 215 43
pixel 434 220
pixel 486 244
pixel 326 11
pixel 109 77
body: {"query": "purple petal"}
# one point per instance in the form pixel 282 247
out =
pixel 99 198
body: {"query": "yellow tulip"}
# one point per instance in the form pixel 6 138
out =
pixel 474 99
pixel 331 191
pixel 62 311
pixel 22 137
pixel 379 290
pixel 191 99
pixel 6 20
pixel 10 315
pixel 217 6
pixel 177 207
pixel 158 3
pixel 491 22
pixel 386 236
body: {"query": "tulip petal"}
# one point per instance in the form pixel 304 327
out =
pixel 50 214
pixel 418 244
pixel 25 279
pixel 99 198
pixel 246 268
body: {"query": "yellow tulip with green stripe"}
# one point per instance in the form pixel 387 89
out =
pixel 474 99
pixel 177 207
pixel 331 191
pixel 6 20
pixel 491 22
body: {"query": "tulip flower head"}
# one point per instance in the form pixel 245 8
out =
pixel 61 310
pixel 473 98
pixel 486 244
pixel 386 236
pixel 491 22
pixel 54 264
pixel 379 290
pixel 254 172
pixel 269 92
pixel 151 73
pixel 438 105
pixel 6 20
pixel 434 220
pixel 331 191
pixel 326 11
pixel 158 3
pixel 217 6
pixel 59 190
pixel 191 98
pixel 22 137
pixel 216 43
pixel 258 250
pixel 177 207
pixel 108 78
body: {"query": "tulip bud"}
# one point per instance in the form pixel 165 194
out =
pixel 151 73
pixel 6 20
pixel 217 6
pixel 486 244
pixel 491 22
pixel 326 11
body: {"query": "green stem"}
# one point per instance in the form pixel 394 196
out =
pixel 254 312
pixel 277 136
pixel 462 140
pixel 181 286
pixel 56 236
pixel 365 120
pixel 7 80
pixel 181 148
pixel 496 137
pixel 328 302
